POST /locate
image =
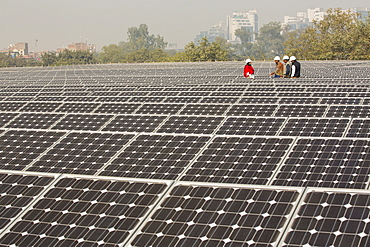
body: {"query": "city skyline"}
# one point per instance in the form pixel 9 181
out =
pixel 46 25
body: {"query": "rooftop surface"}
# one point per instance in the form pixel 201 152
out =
pixel 185 154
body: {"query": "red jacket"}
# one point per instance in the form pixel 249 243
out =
pixel 248 68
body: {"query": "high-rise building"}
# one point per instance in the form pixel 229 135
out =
pixel 214 32
pixel 241 20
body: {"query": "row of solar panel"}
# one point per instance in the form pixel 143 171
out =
pixel 202 97
pixel 315 162
pixel 263 110
pixel 259 126
pixel 46 210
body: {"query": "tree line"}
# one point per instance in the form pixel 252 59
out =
pixel 340 35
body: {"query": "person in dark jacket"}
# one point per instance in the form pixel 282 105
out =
pixel 296 67
pixel 287 66
pixel 248 69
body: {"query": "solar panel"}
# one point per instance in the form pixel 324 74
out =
pixel 159 108
pixel 82 122
pixel 336 163
pixel 216 215
pixel 331 218
pixel 320 127
pixel 301 111
pixel 352 111
pixel 77 107
pixel 263 110
pixel 21 147
pixel 81 153
pixel 241 160
pixel 17 192
pixel 134 123
pixel 155 156
pixel 117 108
pixel 191 125
pixel 84 211
pixel 34 121
pixel 6 117
pixel 11 106
pixel 251 126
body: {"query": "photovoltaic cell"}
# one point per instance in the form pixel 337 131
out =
pixel 301 111
pixel 191 125
pixel 319 127
pixel 155 156
pixel 251 126
pixel 263 110
pixel 11 106
pixel 82 122
pixel 212 215
pixel 159 108
pixel 17 192
pixel 204 109
pixel 352 111
pixel 117 108
pixel 81 153
pixel 20 147
pixel 78 107
pixel 134 123
pixel 359 128
pixel 84 212
pixel 34 121
pixel 331 218
pixel 242 160
pixel 335 163
pixel 6 117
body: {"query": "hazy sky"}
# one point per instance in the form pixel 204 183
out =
pixel 57 23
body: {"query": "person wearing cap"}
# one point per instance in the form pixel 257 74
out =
pixel 296 67
pixel 287 65
pixel 279 70
pixel 248 69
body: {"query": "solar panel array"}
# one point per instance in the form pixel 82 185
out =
pixel 185 154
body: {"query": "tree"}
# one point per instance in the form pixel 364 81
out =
pixel 340 35
pixel 245 48
pixel 269 41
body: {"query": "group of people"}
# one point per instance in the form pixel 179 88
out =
pixel 289 68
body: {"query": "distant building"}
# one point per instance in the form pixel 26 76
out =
pixel 305 19
pixel 18 49
pixel 241 20
pixel 214 32
pixel 81 47
pixel 363 13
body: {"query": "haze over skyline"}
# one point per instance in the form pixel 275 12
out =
pixel 55 24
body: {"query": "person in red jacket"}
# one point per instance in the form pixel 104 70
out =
pixel 248 69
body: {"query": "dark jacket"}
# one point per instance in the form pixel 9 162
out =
pixel 296 69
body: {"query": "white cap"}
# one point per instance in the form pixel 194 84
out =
pixel 286 57
pixel 292 58
pixel 277 58
pixel 248 61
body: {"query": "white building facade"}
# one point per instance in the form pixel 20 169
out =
pixel 241 20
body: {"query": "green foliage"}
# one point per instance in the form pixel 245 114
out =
pixel 140 47
pixel 340 35
pixel 68 57
pixel 269 41
pixel 205 51
pixel 9 61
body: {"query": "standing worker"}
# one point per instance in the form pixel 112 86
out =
pixel 279 68
pixel 287 67
pixel 248 69
pixel 296 67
